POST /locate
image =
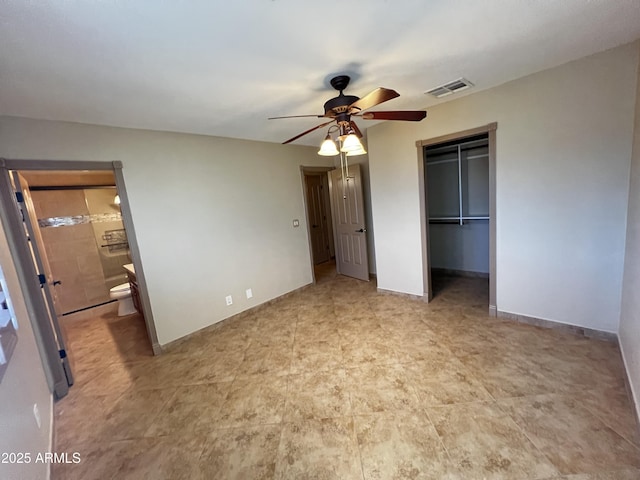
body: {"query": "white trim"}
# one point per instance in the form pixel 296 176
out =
pixel 51 433
pixel 575 329
pixel 630 387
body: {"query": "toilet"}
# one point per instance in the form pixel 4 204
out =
pixel 122 293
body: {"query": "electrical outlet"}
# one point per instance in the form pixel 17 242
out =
pixel 249 293
pixel 229 300
pixel 36 414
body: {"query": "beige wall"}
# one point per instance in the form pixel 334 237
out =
pixel 563 154
pixel 213 216
pixel 23 386
pixel 629 333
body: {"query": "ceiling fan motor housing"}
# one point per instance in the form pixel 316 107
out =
pixel 339 104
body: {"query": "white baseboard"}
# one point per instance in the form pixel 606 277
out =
pixel 423 298
pixel 633 396
pixel 540 322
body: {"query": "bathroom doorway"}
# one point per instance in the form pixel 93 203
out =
pixel 85 242
pixel 77 233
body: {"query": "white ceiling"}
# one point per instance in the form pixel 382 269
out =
pixel 221 68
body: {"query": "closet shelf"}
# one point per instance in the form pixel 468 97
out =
pixel 437 162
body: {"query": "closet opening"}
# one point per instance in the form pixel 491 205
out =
pixel 458 181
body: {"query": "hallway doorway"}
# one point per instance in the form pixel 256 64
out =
pixel 334 204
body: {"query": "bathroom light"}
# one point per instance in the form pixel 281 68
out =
pixel 328 147
pixel 116 200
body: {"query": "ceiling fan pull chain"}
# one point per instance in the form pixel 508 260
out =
pixel 343 160
pixel 346 167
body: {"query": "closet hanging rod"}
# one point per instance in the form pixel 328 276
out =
pixel 444 222
pixel 457 218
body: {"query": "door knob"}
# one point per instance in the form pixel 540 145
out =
pixel 362 230
pixel 57 282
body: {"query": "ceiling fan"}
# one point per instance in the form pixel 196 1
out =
pixel 340 109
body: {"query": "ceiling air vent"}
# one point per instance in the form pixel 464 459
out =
pixel 449 88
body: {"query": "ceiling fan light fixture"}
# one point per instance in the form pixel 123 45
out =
pixel 359 151
pixel 351 143
pixel 328 147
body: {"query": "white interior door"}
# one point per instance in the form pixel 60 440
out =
pixel 38 253
pixel 349 223
pixel 317 219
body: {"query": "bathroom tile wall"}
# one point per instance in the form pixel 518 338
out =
pixel 71 250
pixel 100 202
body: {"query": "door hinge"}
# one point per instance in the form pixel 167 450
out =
pixel 42 279
pixel 19 197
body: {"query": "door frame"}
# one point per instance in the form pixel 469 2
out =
pixel 490 130
pixel 27 274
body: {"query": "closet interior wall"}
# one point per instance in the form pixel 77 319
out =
pixel 457 180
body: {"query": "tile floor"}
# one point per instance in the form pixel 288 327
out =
pixel 338 381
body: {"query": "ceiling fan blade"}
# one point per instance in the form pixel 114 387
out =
pixel 378 96
pixel 308 131
pixel 296 116
pixel 356 129
pixel 407 115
